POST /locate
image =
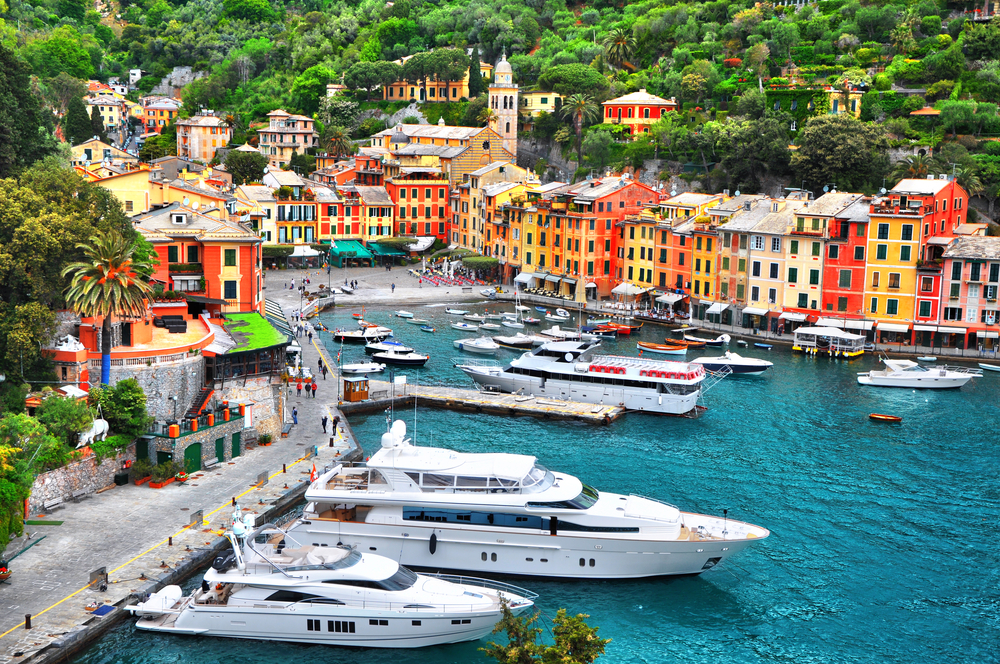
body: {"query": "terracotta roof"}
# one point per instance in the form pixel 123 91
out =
pixel 985 248
pixel 926 110
pixel 641 97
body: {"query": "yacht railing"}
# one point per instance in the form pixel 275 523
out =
pixel 975 371
pixel 475 362
pixel 626 361
pixel 485 583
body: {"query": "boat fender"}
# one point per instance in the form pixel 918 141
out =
pixel 433 543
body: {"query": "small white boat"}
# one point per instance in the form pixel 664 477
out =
pixel 555 332
pixel 494 317
pixel 513 323
pixel 465 327
pixel 410 359
pixel 481 345
pixel 556 318
pixel 489 326
pixel 456 312
pixel 404 314
pixel 362 368
pixel 743 344
pixel 562 312
pixel 418 321
pixel 989 367
pixel 522 308
pixel 489 293
pixel 427 328
pixel 748 366
pixel 475 318
pixel 930 358
pixel 530 320
pixel 720 340
pixel 907 373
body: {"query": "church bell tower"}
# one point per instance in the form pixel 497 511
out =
pixel 504 102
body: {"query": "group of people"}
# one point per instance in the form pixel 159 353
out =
pixel 310 385
pixel 352 284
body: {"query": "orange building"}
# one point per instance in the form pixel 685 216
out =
pixel 198 137
pixel 217 261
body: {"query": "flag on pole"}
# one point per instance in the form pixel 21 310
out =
pixel 312 475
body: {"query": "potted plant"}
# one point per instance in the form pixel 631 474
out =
pixel 142 470
pixel 163 474
pixel 181 476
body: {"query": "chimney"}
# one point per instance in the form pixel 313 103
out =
pixel 746 206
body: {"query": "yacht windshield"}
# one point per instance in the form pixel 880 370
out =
pixel 538 479
pixel 401 580
pixel 917 368
pixel 587 499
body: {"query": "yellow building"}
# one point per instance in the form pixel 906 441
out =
pixel 111 111
pixel 536 102
pixel 200 136
pixel 637 234
pixel 96 150
pixel 284 135
pixel 256 206
pixel 891 266
pixel 432 88
pixel 841 104
pixel 705 254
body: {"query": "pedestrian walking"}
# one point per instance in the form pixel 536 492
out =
pixel 295 415
pixel 292 287
pixel 314 388
pixel 393 288
pixel 323 369
pixel 298 388
pixel 336 421
pixel 310 336
pixel 319 363
pixel 420 282
pixel 324 423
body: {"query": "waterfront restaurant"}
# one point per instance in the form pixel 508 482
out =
pixel 828 341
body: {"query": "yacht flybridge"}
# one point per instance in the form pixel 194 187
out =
pixel 571 370
pixel 506 514
pixel 273 586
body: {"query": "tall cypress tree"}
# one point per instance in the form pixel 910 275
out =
pixel 97 124
pixel 475 78
pixel 76 124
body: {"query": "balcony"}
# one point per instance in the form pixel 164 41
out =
pixel 191 268
pixel 802 230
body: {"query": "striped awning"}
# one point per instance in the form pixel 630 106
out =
pixel 755 311
pixel 893 327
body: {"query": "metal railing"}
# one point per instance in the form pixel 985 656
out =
pixel 95 363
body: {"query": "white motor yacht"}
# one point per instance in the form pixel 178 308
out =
pixel 571 370
pixel 276 586
pixel 466 327
pixel 736 364
pixel 474 318
pixel 365 335
pixel 506 514
pixel 386 347
pixel 404 314
pixel 358 368
pixel 456 312
pixel 481 345
pixel 907 373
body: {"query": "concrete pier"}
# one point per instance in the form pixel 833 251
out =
pixel 453 398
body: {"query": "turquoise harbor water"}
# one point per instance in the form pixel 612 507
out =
pixel 884 537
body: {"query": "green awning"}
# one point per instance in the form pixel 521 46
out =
pixel 384 250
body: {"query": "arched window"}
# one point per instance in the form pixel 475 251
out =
pixel 505 101
pixel 645 112
pixel 507 130
pixel 630 112
pixel 619 114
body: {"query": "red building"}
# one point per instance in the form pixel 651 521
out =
pixel 843 291
pixel 637 111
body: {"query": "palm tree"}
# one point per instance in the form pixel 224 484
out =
pixel 487 116
pixel 619 45
pixel 917 167
pixel 969 179
pixel 108 283
pixel 580 108
pixel 338 142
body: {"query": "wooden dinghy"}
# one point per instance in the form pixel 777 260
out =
pixel 878 417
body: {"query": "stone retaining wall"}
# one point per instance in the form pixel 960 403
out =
pixel 81 475
pixel 267 399
pixel 183 379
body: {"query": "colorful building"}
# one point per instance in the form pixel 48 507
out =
pixel 911 224
pixel 844 267
pixel 971 269
pixel 215 259
pixel 432 88
pixel 637 111
pixel 286 134
pixel 198 137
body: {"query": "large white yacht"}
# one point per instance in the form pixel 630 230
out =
pixel 571 370
pixel 506 514
pixel 273 588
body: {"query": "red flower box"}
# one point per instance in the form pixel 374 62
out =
pixel 142 481
pixel 160 485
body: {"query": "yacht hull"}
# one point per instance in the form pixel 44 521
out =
pixel 551 388
pixel 524 554
pixel 930 383
pixel 291 624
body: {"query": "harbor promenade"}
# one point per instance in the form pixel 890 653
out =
pixel 145 538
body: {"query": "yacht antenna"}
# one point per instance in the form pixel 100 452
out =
pixel 414 417
pixel 725 523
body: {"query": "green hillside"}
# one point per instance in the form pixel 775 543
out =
pixel 753 78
